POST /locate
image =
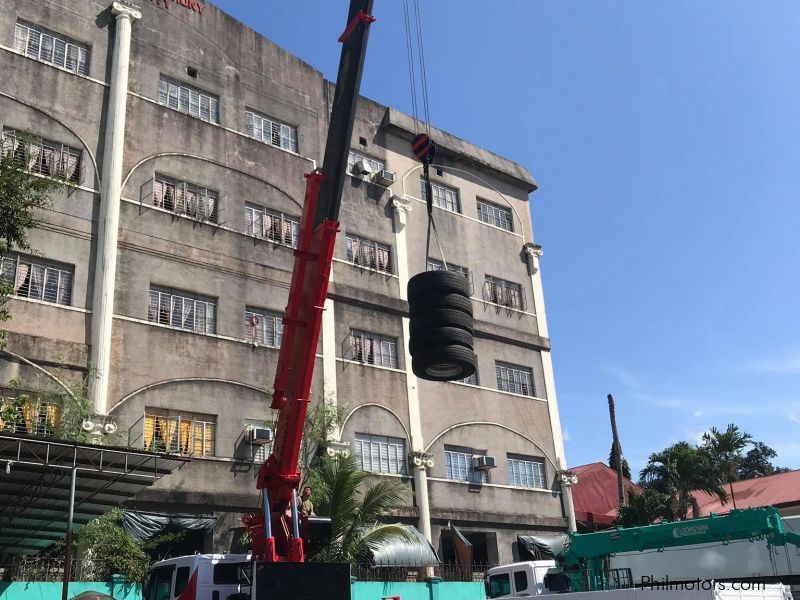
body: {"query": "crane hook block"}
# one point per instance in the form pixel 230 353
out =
pixel 424 148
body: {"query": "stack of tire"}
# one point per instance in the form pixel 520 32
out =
pixel 441 343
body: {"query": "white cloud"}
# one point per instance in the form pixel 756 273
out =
pixel 785 365
pixel 565 434
pixel 794 418
pixel 624 376
pixel 697 414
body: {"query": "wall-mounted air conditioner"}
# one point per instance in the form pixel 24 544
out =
pixel 258 436
pixel 362 168
pixel 483 463
pixel 385 177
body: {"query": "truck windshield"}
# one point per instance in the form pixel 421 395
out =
pixel 159 584
pixel 499 585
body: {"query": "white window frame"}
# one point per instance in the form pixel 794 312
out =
pixel 52 48
pixel 526 471
pixel 376 165
pixel 43 157
pixel 516 379
pixel 471 380
pixel 437 265
pixel 187 199
pixel 495 215
pixel 444 196
pixel 272 225
pixel 270 131
pixel 458 465
pixel 188 100
pixel 368 253
pixel 37 279
pixel 196 313
pixel 503 293
pixel 380 453
pixel 263 327
pixel 374 349
pixel 198 425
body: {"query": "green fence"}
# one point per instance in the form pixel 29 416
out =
pixel 119 589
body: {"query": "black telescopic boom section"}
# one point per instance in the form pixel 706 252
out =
pixel 340 130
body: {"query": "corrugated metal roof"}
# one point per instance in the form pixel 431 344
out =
pixel 780 490
pixel 595 495
pixel 35 483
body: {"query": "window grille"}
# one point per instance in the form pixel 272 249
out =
pixel 458 465
pixel 514 378
pixel 183 310
pixel 43 157
pixel 499 216
pixel 189 100
pixel 37 279
pixel 184 198
pixel 374 349
pixel 369 253
pixel 24 413
pixel 271 225
pixel 381 454
pixel 376 165
pixel 270 131
pixel 52 48
pixel 443 196
pixel 471 380
pixel 185 434
pixel 437 265
pixel 262 327
pixel 526 471
pixel 502 292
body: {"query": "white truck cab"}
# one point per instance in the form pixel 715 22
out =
pixel 522 579
pixel 200 577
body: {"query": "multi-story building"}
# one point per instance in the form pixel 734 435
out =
pixel 162 271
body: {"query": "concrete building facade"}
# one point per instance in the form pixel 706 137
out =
pixel 162 271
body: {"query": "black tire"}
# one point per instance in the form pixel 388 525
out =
pixel 447 301
pixel 436 318
pixel 444 363
pixel 440 336
pixel 436 282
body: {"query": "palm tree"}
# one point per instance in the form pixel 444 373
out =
pixel 679 470
pixel 725 448
pixel 644 509
pixel 356 529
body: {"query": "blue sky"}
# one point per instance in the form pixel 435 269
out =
pixel 664 137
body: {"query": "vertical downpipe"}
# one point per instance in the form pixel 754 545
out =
pixel 110 193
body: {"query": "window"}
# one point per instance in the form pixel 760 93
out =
pixel 499 216
pixel 183 198
pixel 38 279
pixel 181 580
pixel 520 581
pixel 229 573
pixel 376 165
pixel 373 349
pixel 24 412
pixel 437 265
pixel 42 156
pixel 262 327
pixel 271 225
pixel 52 48
pixel 186 434
pixel 502 292
pixel 471 380
pixel 159 583
pixel 270 131
pixel 513 378
pixel 381 454
pixel 368 253
pixel 458 465
pixel 526 471
pixel 189 100
pixel 499 585
pixel 443 196
pixel 182 309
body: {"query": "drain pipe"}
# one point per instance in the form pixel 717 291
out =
pixel 110 192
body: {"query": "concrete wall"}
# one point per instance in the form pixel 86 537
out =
pixel 221 375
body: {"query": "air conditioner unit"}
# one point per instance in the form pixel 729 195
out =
pixel 483 463
pixel 258 436
pixel 385 177
pixel 362 168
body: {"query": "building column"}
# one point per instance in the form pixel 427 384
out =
pixel 420 461
pixel 533 252
pixel 110 192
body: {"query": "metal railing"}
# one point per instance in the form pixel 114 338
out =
pixel 44 569
pixel 400 572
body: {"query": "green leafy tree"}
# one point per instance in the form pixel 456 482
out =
pixel 725 449
pixel 757 462
pixel 644 508
pixel 113 550
pixel 612 462
pixel 356 510
pixel 681 469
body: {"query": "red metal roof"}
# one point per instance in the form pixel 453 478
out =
pixel 779 490
pixel 595 494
